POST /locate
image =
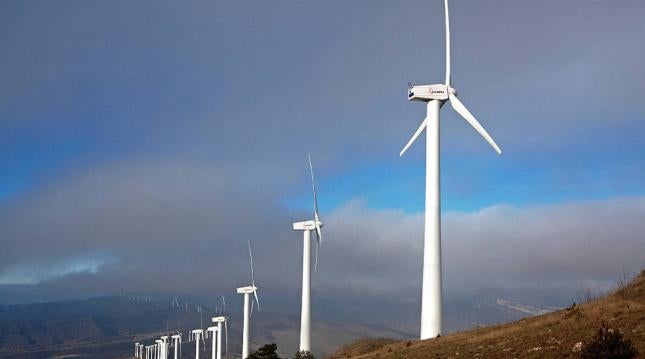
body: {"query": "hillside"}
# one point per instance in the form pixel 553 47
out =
pixel 547 336
pixel 107 327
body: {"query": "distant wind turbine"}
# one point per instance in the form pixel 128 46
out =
pixel 164 347
pixel 197 335
pixel 219 320
pixel 248 307
pixel 307 227
pixel 158 348
pixel 213 334
pixel 176 342
pixel 435 96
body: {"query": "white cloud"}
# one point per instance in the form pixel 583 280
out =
pixel 548 247
pixel 37 272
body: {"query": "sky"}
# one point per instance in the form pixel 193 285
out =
pixel 143 143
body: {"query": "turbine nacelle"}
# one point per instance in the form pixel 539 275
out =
pixel 246 290
pixel 307 225
pixel 219 319
pixel 430 92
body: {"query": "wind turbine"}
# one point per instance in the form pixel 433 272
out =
pixel 159 348
pixel 213 330
pixel 307 227
pixel 248 311
pixel 435 96
pixel 219 320
pixel 176 340
pixel 164 347
pixel 197 334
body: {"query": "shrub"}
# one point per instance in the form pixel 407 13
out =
pixel 609 344
pixel 304 355
pixel 573 311
pixel 268 351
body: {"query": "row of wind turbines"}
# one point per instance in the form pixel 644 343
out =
pixel 159 350
pixel 435 96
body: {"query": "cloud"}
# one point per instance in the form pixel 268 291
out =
pixel 184 228
pixel 46 270
pixel 546 248
pixel 168 143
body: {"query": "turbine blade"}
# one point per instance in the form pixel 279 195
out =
pixel 251 313
pixel 251 257
pixel 447 43
pixel 318 234
pixel 226 331
pixel 255 294
pixel 318 242
pixel 414 137
pixel 463 111
pixel 313 186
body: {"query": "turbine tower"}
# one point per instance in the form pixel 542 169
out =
pixel 176 342
pixel 197 334
pixel 164 347
pixel 248 307
pixel 158 348
pixel 435 96
pixel 213 331
pixel 219 320
pixel 307 227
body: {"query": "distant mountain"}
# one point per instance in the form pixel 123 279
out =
pixel 107 327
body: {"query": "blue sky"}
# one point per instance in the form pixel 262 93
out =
pixel 199 116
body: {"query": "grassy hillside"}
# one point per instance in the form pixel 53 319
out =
pixel 553 335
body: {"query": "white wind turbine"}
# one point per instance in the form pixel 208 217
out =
pixel 221 319
pixel 197 335
pixel 164 347
pixel 435 96
pixel 213 334
pixel 307 227
pixel 176 343
pixel 158 349
pixel 248 307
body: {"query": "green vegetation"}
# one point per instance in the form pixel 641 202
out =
pixel 268 351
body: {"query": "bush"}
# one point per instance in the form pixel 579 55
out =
pixel 609 344
pixel 268 351
pixel 303 355
pixel 573 311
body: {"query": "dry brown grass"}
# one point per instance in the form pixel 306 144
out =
pixel 547 336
